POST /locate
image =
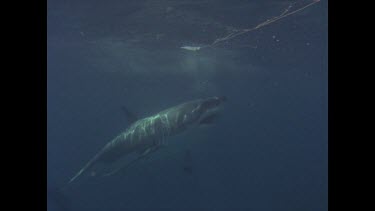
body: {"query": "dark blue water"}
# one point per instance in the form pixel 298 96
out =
pixel 268 149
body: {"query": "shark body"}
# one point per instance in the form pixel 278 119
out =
pixel 149 134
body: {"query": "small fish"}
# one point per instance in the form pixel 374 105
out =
pixel 191 48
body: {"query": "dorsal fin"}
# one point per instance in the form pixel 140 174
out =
pixel 129 115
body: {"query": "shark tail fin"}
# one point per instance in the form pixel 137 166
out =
pixel 85 168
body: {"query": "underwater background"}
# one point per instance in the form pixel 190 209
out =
pixel 267 151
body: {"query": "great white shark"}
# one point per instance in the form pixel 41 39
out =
pixel 148 134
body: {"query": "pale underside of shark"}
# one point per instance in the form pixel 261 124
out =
pixel 148 134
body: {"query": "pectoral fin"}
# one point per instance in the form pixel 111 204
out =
pixel 143 154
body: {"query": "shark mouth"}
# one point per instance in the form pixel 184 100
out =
pixel 209 116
